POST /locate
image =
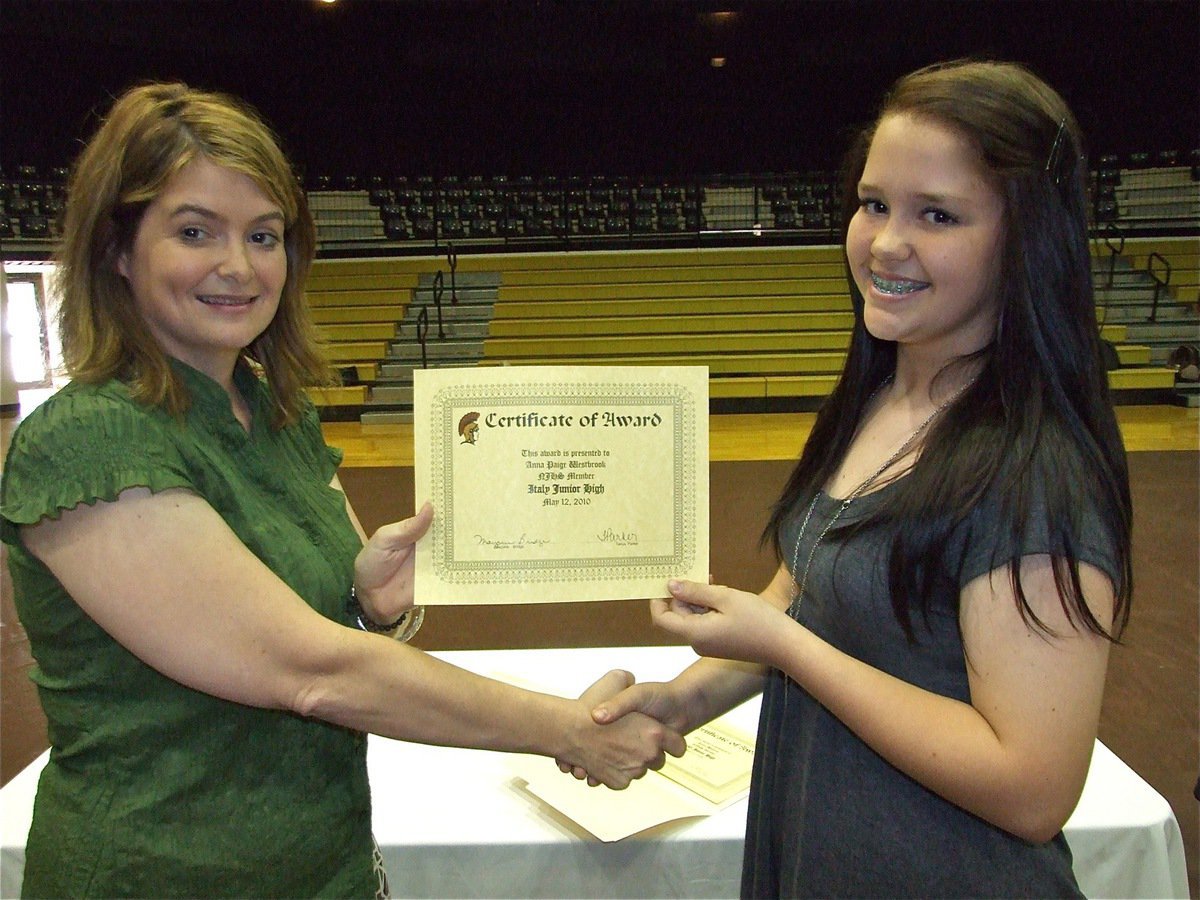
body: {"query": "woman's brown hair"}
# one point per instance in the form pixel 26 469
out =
pixel 150 134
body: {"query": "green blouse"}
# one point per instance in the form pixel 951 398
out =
pixel 154 789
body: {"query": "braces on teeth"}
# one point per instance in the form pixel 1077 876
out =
pixel 897 287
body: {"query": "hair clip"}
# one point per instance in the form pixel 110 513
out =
pixel 1054 167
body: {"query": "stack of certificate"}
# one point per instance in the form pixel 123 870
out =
pixel 714 773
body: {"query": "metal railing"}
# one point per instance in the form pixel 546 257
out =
pixel 1161 276
pixel 438 292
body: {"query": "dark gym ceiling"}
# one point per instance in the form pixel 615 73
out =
pixel 581 86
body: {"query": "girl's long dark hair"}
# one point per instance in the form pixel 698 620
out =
pixel 1038 416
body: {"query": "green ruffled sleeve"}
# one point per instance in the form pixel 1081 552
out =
pixel 83 445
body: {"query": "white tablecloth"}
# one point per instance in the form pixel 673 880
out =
pixel 457 823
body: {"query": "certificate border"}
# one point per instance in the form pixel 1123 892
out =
pixel 595 569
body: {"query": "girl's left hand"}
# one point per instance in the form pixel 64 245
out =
pixel 722 622
pixel 383 570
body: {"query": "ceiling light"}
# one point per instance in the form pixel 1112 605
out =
pixel 719 19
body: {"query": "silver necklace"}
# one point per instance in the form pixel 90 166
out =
pixel 901 451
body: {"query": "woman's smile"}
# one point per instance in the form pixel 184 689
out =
pixel 225 300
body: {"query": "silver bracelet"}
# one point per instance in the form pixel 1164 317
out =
pixel 402 629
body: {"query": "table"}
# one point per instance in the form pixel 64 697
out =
pixel 457 823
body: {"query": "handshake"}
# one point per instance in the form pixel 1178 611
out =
pixel 618 730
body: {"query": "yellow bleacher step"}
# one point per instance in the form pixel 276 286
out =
pixel 802 385
pixel 341 395
pixel 1133 354
pixel 386 281
pixel 324 299
pixel 552 307
pixel 772 364
pixel 637 344
pixel 398 265
pixel 359 331
pixel 655 290
pixel 783 303
pixel 763 387
pixel 782 365
pixel 326 271
pixel 1141 377
pixel 718 364
pixel 1181 252
pixel 652 273
pixel 402 273
pixel 599 259
pixel 671 324
pixel 745 386
pixel 364 371
pixel 357 351
pixel 344 315
pixel 821 385
pixel 754 386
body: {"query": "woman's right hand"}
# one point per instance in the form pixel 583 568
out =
pixel 619 751
pixel 617 705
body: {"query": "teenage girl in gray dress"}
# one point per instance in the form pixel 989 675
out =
pixel 954 542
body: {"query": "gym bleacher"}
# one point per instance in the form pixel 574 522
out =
pixel 739 273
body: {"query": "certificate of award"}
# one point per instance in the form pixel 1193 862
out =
pixel 560 483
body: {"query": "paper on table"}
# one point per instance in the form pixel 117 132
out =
pixel 717 763
pixel 714 773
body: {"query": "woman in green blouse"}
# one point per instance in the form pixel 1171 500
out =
pixel 187 567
